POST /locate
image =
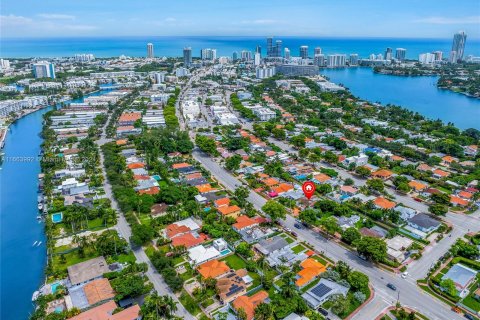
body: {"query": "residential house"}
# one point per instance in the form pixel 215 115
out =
pixel 248 304
pixel 383 174
pixel 86 271
pixel 105 312
pixel 439 174
pixel 382 203
pixel 320 293
pixel 232 285
pixel 311 269
pixel 462 276
pixel 230 211
pixel 417 186
pixel 213 269
pixel 424 223
pixel 396 248
pixel 457 201
pixel 405 213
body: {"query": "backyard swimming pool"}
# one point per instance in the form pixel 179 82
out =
pixel 57 217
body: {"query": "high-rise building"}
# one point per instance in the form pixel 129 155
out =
pixel 426 58
pixel 400 54
pixel 388 54
pixel 353 59
pixel 258 49
pixel 246 55
pixel 150 50
pixel 84 57
pixel 278 48
pixel 208 54
pixel 458 46
pixel 453 57
pixel 264 72
pixel 187 56
pixel 257 59
pixel 235 56
pixel 286 53
pixel 319 60
pixel 336 60
pixel 4 64
pixel 269 47
pixel 304 52
pixel 438 55
pixel 379 56
pixel 43 69
pixel 317 50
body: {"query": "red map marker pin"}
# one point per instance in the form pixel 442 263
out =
pixel 308 188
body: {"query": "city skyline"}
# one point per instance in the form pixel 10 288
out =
pixel 282 18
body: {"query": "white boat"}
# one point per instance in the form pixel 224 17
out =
pixel 39 243
pixel 34 244
pixel 40 206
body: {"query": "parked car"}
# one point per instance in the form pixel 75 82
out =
pixel 294 234
pixel 404 275
pixel 323 311
pixel 469 316
pixel 298 226
pixel 391 286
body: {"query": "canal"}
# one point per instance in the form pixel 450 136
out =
pixel 21 264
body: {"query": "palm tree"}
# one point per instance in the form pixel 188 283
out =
pixel 288 288
pixel 264 311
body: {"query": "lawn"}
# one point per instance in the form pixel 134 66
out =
pixel 70 259
pixel 189 303
pixel 256 280
pixel 178 260
pixel 298 248
pixel 234 262
pixel 122 258
pixel 187 275
pixel 320 259
pixel 471 302
pixel 287 238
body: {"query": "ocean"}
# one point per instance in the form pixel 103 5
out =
pixel 172 46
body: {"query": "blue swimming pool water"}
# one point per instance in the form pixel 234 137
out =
pixel 54 286
pixel 157 177
pixel 225 252
pixel 57 217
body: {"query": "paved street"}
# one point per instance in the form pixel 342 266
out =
pixel 124 230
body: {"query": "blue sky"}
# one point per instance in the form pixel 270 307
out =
pixel 320 18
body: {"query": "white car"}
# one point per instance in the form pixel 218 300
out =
pixel 404 275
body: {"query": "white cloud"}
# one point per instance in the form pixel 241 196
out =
pixel 55 16
pixel 14 21
pixel 170 19
pixel 446 20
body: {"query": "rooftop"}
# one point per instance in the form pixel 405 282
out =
pixel 87 270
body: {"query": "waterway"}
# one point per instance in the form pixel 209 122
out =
pixel 21 264
pixel 418 94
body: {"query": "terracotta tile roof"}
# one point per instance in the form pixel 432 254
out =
pixel 248 304
pixel 397 158
pixel 382 173
pixel 213 269
pixel 465 195
pixel 270 182
pixel 449 159
pixel 417 186
pixel 104 312
pixel 263 175
pixel 98 290
pixel 424 167
pixel 150 191
pixel 322 177
pixel 284 187
pixel 71 151
pixel 311 268
pixel 458 201
pixel 125 128
pixel 188 240
pixel 181 165
pixel 441 173
pixel 270 153
pixel 222 202
pixel 244 222
pixel 121 142
pixel 136 165
pixel 204 188
pixel 229 210
pixel 130 117
pixel 349 189
pixel 173 230
pixel 384 203
pixel 139 177
pixel 196 175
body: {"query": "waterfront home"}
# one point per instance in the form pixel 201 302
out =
pixel 86 271
pixel 105 312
